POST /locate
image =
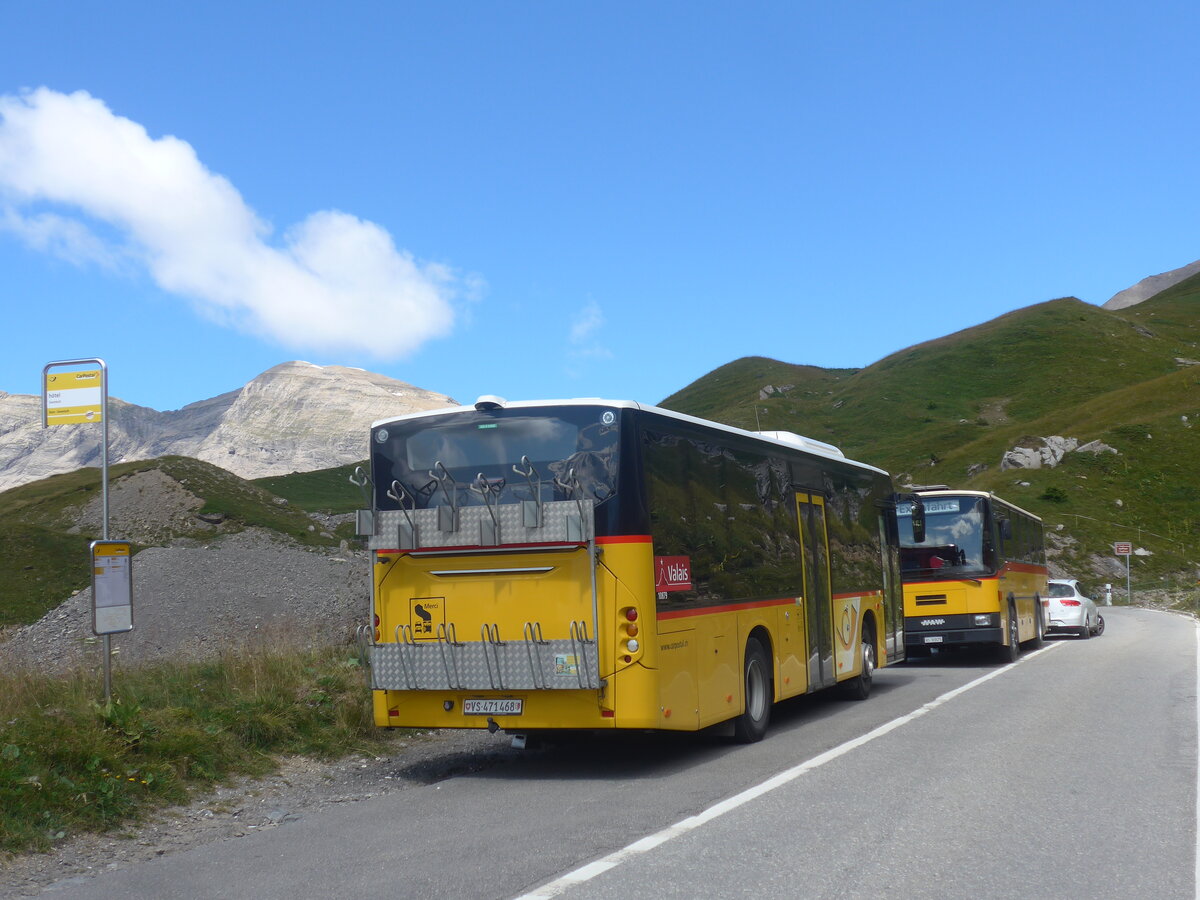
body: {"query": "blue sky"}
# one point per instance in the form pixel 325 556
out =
pixel 552 199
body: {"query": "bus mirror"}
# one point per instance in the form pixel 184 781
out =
pixel 918 520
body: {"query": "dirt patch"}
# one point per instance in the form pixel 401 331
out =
pixel 992 412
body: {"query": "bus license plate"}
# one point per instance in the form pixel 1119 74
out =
pixel 494 707
pixel 933 639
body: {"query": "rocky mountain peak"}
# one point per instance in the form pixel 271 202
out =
pixel 1151 285
pixel 294 417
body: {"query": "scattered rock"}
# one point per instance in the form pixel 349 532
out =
pixel 771 390
pixel 1050 454
pixel 1096 447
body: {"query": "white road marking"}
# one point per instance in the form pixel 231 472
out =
pixel 643 845
pixel 1197 882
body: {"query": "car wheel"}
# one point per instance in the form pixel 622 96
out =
pixel 1085 630
pixel 1099 624
pixel 751 725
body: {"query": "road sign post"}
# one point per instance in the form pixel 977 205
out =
pixel 1125 548
pixel 80 397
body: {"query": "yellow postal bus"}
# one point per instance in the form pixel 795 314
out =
pixel 595 564
pixel 978 576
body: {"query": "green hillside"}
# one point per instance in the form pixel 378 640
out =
pixel 46 557
pixel 325 490
pixel 945 411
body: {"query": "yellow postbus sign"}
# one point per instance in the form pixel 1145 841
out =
pixel 74 398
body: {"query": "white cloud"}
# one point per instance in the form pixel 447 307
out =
pixel 588 321
pixel 583 336
pixel 119 195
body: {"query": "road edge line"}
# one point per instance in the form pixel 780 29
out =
pixel 590 870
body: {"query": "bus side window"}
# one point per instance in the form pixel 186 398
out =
pixel 1005 532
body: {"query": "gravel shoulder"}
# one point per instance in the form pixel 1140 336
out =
pixel 301 787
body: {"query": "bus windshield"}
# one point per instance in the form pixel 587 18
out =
pixel 496 456
pixel 955 538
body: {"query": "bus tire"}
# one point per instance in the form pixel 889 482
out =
pixel 751 725
pixel 1038 629
pixel 1012 652
pixel 859 687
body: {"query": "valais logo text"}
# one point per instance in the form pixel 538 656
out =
pixel 672 573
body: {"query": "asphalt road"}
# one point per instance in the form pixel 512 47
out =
pixel 1072 773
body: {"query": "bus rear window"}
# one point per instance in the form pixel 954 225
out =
pixel 427 460
pixel 490 443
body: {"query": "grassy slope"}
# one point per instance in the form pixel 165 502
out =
pixel 69 764
pixel 1063 367
pixel 326 490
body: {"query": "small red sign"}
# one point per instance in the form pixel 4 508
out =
pixel 1122 548
pixel 672 573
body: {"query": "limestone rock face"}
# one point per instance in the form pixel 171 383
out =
pixel 1050 454
pixel 295 417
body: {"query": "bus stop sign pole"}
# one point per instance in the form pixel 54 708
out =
pixel 77 398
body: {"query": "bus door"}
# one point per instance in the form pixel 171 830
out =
pixel 818 602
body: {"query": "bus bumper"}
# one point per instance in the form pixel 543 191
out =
pixel 952 637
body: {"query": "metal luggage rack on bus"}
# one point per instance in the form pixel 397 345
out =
pixel 492 524
pixel 444 663
pixel 528 663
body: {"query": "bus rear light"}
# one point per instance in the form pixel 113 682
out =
pixel 376 620
pixel 631 630
pixel 631 614
pixel 377 635
pixel 633 645
pixel 393 713
pixel 608 714
pixel 1069 602
pixel 627 658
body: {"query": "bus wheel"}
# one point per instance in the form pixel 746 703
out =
pixel 859 687
pixel 1038 629
pixel 751 725
pixel 1012 652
